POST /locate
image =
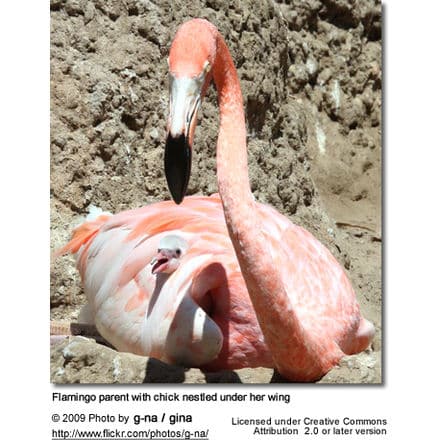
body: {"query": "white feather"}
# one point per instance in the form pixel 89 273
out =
pixel 95 212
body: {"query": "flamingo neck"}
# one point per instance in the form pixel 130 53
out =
pixel 294 353
pixel 232 165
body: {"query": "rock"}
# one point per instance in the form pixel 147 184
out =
pixel 89 12
pixel 81 360
pixel 299 75
pixel 361 368
pixel 74 7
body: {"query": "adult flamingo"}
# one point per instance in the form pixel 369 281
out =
pixel 275 297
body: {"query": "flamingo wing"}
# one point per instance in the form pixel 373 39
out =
pixel 140 312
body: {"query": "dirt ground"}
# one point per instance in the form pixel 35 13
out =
pixel 311 77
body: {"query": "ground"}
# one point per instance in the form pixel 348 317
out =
pixel 311 78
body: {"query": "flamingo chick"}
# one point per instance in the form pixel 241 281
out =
pixel 169 254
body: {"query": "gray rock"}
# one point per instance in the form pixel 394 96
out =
pixel 81 360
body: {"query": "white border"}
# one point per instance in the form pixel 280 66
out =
pixel 410 395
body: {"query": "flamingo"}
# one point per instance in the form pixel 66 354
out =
pixel 247 287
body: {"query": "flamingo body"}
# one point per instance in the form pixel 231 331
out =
pixel 201 314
